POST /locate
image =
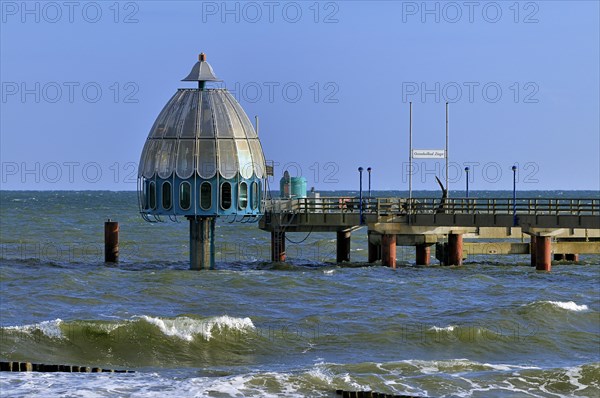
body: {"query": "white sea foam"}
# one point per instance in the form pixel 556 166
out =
pixel 574 375
pixel 568 305
pixel 139 384
pixel 430 367
pixel 186 328
pixel 449 328
pixel 319 379
pixel 329 271
pixel 48 328
pixel 504 367
pixel 320 372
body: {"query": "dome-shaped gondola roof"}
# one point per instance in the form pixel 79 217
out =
pixel 202 131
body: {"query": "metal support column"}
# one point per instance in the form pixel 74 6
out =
pixel 202 242
pixel 374 250
pixel 422 254
pixel 533 250
pixel 343 246
pixel 572 257
pixel 455 249
pixel 543 253
pixel 278 246
pixel 388 250
pixel 447 158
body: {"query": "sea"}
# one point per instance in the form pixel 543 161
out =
pixel 493 327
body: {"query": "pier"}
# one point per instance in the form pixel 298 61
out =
pixel 203 159
pixel 455 227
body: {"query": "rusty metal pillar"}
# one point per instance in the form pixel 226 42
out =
pixel 455 249
pixel 543 253
pixel 111 241
pixel 374 250
pixel 532 250
pixel 277 246
pixel 343 246
pixel 388 250
pixel 422 254
pixel 202 242
pixel 572 257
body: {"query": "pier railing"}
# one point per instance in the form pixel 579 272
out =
pixel 405 206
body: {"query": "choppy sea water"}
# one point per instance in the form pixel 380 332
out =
pixel 494 327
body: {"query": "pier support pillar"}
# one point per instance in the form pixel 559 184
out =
pixel 572 257
pixel 388 250
pixel 277 246
pixel 343 246
pixel 543 253
pixel 455 249
pixel 559 256
pixel 422 254
pixel 532 250
pixel 111 241
pixel 202 243
pixel 374 250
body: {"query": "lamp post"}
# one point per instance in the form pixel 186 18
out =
pixel 360 206
pixel 467 171
pixel 369 171
pixel 514 169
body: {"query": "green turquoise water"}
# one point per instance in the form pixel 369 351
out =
pixel 494 327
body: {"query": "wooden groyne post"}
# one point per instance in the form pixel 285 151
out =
pixel 10 366
pixel 111 241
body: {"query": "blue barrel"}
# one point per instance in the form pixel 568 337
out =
pixel 298 187
pixel 292 187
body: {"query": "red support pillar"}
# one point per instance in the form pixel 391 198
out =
pixel 543 253
pixel 572 257
pixel 277 246
pixel 532 250
pixel 423 253
pixel 343 246
pixel 374 251
pixel 455 249
pixel 388 250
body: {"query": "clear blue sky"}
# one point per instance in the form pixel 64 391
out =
pixel 83 82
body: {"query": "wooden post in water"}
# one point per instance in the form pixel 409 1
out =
pixel 111 241
pixel 343 246
pixel 40 367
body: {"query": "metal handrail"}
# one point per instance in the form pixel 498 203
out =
pixel 403 206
